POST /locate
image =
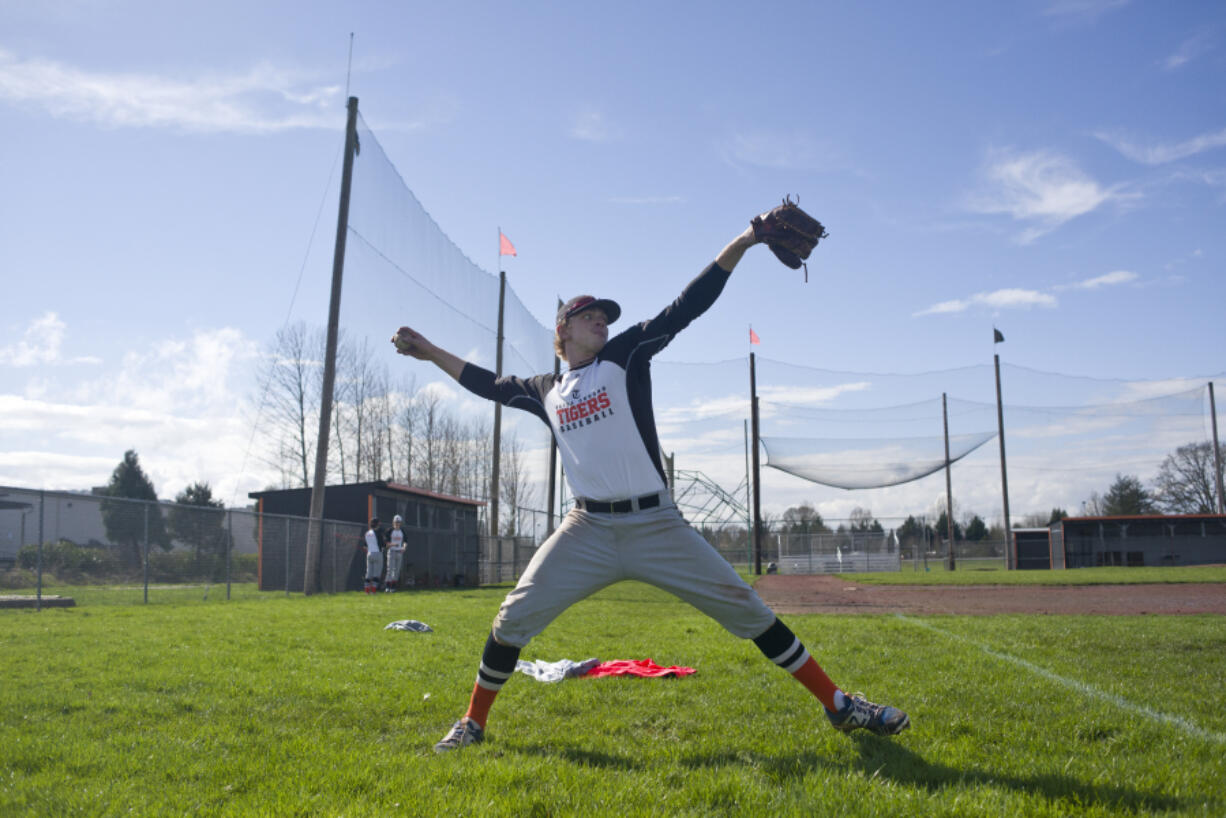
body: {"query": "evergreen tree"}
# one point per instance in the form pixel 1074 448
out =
pixel 132 525
pixel 941 528
pixel 199 521
pixel 1127 496
pixel 976 529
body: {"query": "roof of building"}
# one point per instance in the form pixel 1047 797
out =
pixel 1134 517
pixel 386 485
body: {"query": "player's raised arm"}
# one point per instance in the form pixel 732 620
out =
pixel 415 345
pixel 730 256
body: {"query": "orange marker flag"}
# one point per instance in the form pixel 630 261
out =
pixel 753 337
pixel 505 248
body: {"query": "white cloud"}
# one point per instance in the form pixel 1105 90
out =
pixel 593 126
pixel 647 200
pixel 1188 50
pixel 1008 298
pixel 40 345
pixel 1081 11
pixel 810 396
pixel 1106 280
pixel 1162 154
pixel 1041 188
pixel 175 404
pixel 265 99
pixel 778 150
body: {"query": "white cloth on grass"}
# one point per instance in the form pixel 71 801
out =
pixel 408 625
pixel 555 671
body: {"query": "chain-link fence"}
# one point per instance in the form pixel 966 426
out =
pixel 839 546
pixel 96 539
pixel 503 559
pixel 89 538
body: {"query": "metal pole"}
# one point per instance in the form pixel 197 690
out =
pixel 494 469
pixel 38 593
pixel 287 524
pixel 748 499
pixel 1217 451
pixel 146 553
pixel 1004 475
pixel 757 471
pixel 229 546
pixel 949 496
pixel 553 455
pixel 311 568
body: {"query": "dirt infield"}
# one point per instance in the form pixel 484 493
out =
pixel 830 594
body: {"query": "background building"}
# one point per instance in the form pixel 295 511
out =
pixel 441 535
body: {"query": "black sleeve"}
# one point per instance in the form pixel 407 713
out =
pixel 653 335
pixel 517 393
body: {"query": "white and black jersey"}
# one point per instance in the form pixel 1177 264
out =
pixel 601 413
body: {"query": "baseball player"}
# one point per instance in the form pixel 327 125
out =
pixel 374 555
pixel 624 524
pixel 395 555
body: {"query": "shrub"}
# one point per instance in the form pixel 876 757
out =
pixel 69 561
pixel 17 578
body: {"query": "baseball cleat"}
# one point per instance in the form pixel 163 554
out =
pixel 463 732
pixel 858 713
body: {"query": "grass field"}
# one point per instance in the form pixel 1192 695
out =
pixel 274 705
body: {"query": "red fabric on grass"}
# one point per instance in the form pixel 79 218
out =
pixel 638 667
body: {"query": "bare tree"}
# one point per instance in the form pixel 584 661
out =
pixel 367 382
pixel 480 458
pixel 407 412
pixel 516 490
pixel 342 403
pixel 291 383
pixel 1185 483
pixel 429 413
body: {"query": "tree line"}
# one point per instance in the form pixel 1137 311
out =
pixel 382 428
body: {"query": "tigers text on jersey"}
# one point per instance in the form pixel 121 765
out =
pixel 601 413
pixel 604 456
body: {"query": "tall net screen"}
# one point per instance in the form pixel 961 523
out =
pixel 397 251
pixel 839 440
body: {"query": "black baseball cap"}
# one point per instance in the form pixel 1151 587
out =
pixel 588 302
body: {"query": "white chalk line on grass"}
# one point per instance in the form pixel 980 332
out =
pixel 1080 686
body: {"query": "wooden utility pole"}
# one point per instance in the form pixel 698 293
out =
pixel 310 572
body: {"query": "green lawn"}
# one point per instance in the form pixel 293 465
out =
pixel 274 705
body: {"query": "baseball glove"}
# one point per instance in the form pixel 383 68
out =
pixel 790 233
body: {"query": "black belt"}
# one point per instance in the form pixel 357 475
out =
pixel 618 506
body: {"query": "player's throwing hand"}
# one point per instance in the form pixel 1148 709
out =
pixel 410 342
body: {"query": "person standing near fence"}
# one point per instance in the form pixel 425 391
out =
pixel 374 555
pixel 625 524
pixel 395 555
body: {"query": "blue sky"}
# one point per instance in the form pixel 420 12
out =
pixel 1055 168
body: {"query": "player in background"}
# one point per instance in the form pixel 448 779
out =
pixel 395 555
pixel 624 524
pixel 373 541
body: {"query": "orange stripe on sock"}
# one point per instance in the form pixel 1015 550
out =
pixel 480 703
pixel 815 679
